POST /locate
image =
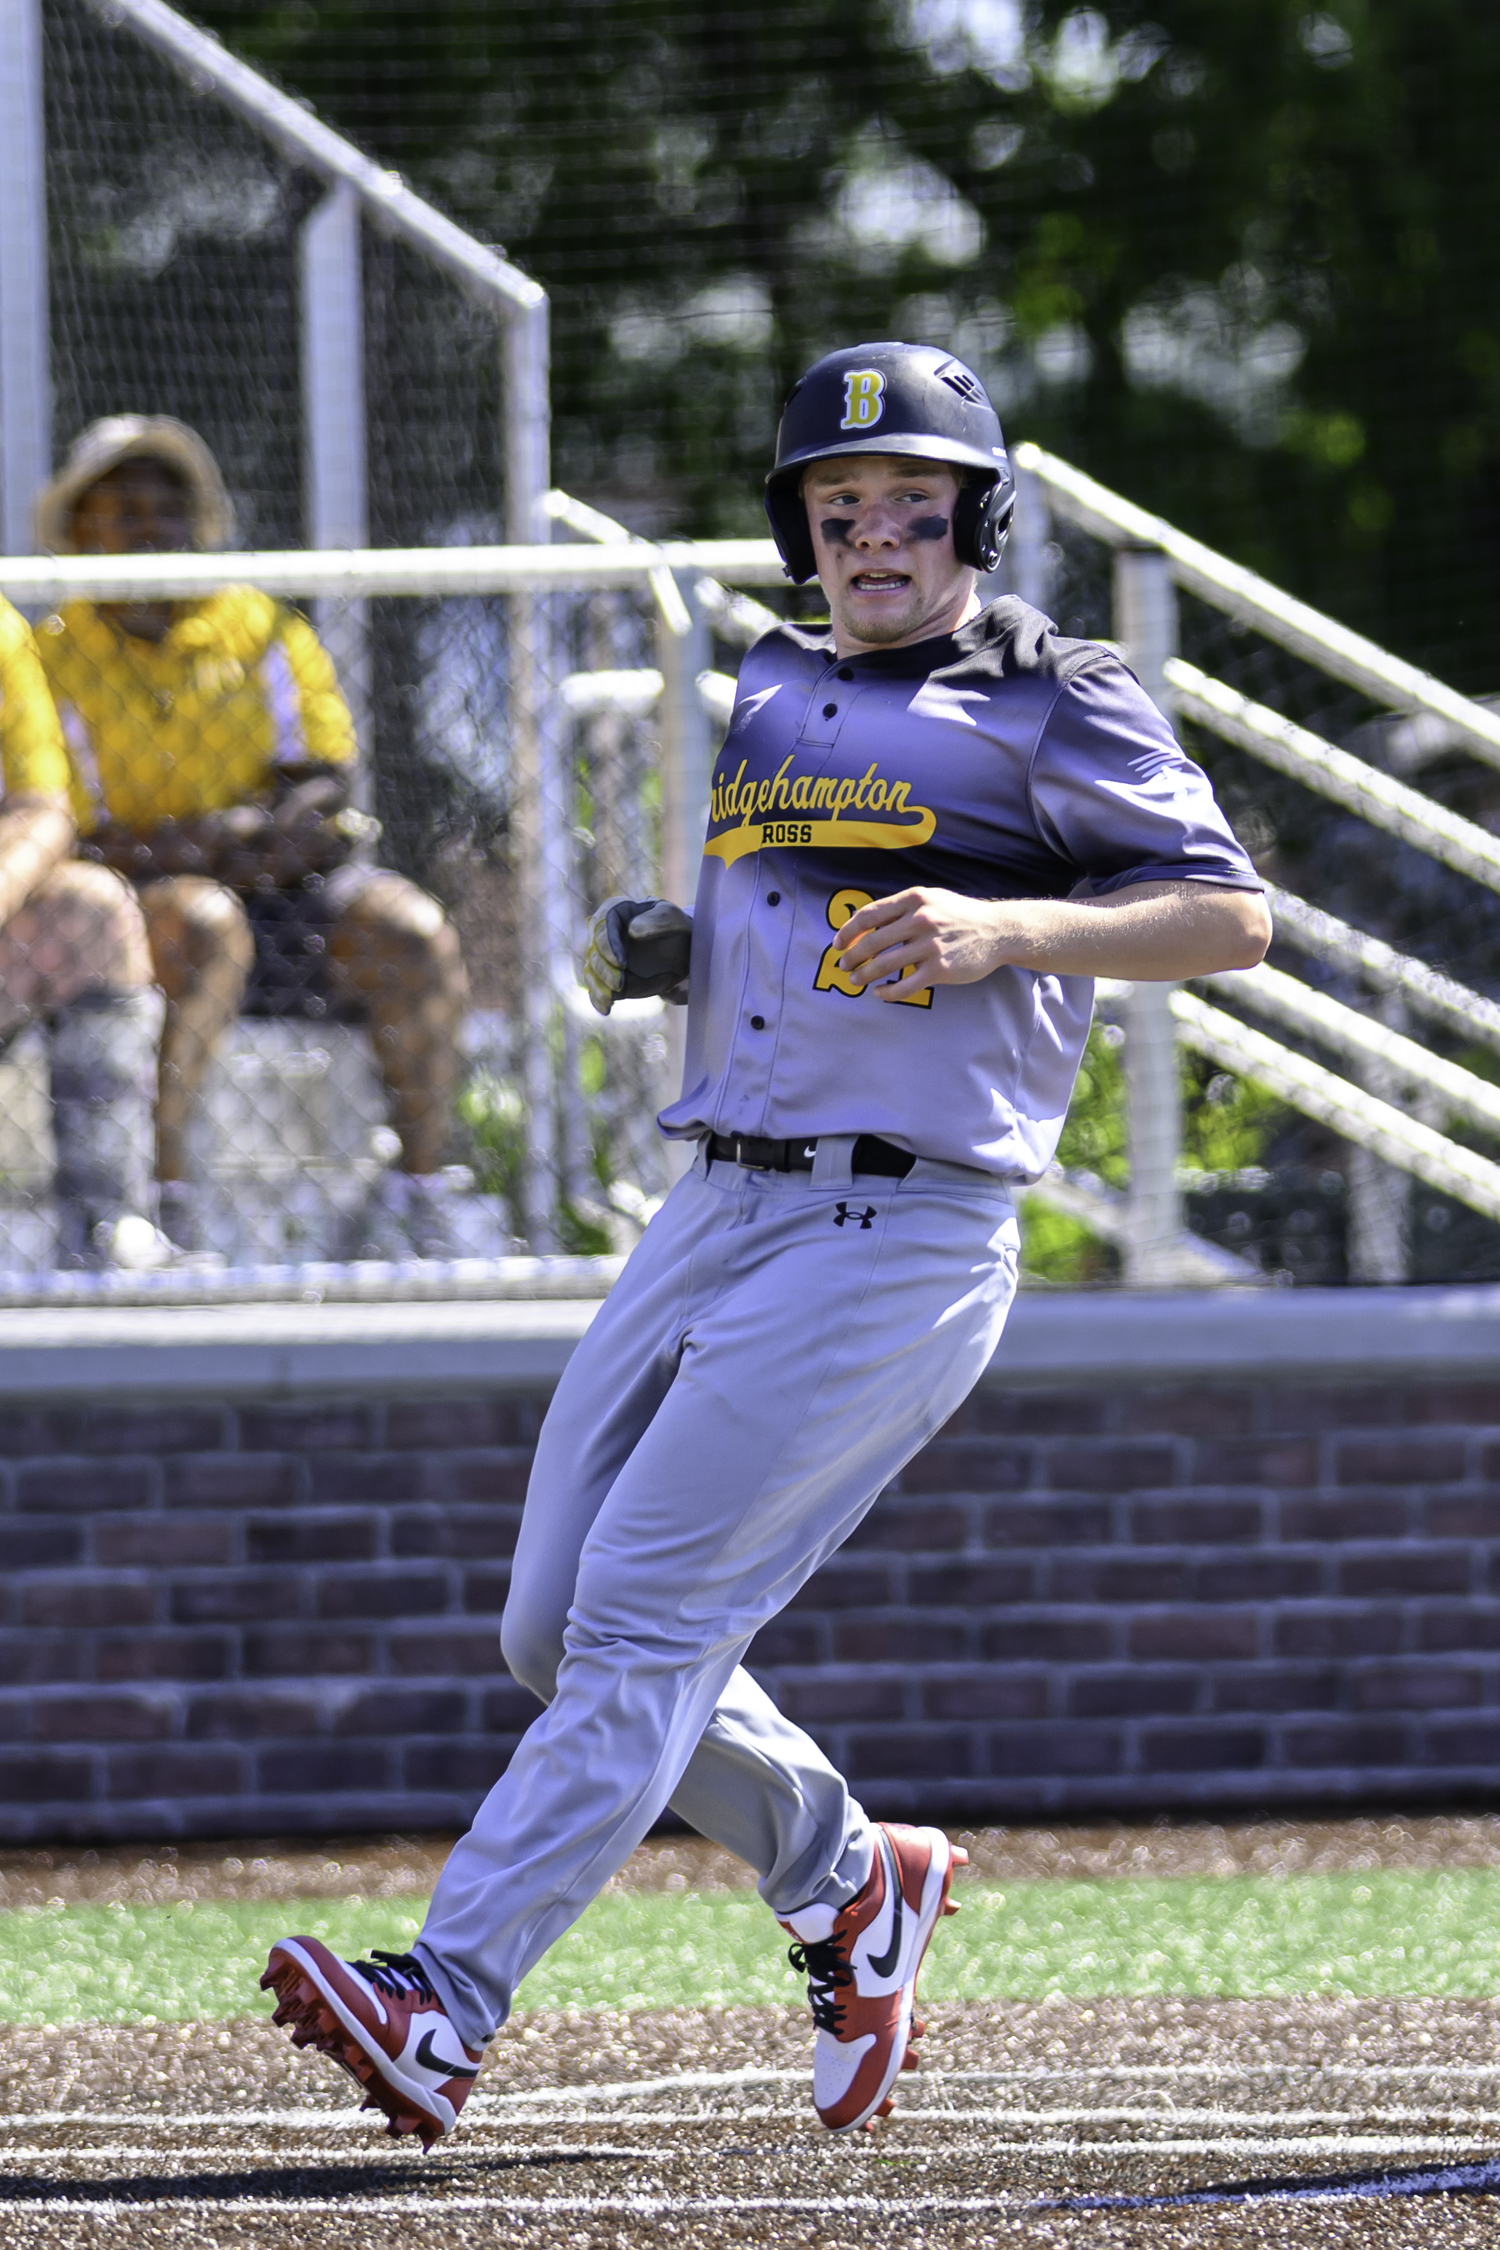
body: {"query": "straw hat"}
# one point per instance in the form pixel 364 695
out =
pixel 134 437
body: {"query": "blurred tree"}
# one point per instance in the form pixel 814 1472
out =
pixel 1237 257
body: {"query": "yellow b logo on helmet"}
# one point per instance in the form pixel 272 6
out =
pixel 864 389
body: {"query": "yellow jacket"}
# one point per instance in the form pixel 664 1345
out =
pixel 32 757
pixel 202 719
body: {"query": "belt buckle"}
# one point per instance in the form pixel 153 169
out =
pixel 747 1163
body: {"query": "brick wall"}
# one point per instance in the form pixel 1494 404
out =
pixel 1150 1597
pixel 223 1615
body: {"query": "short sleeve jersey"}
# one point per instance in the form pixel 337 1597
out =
pixel 1002 762
pixel 32 756
pixel 202 719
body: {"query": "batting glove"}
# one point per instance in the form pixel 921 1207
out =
pixel 638 949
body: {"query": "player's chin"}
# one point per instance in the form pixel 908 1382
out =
pixel 895 599
pixel 877 614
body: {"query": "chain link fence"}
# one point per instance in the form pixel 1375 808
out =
pixel 354 988
pixel 409 1073
pixel 316 1005
pixel 340 838
pixel 1289 1195
pixel 176 263
pixel 375 1045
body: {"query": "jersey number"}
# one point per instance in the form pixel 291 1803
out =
pixel 831 978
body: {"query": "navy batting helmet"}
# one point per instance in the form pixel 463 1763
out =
pixel 893 398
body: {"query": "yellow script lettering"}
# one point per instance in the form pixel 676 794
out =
pixel 830 977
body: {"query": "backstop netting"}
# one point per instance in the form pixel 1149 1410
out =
pixel 173 245
pixel 174 231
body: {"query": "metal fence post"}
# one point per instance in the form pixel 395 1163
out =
pixel 687 754
pixel 1145 607
pixel 335 472
pixel 561 899
pixel 536 715
pixel 686 745
pixel 25 371
pixel 1380 1194
pixel 1027 563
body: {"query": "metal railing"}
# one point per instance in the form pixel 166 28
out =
pixel 1432 994
pixel 693 592
pixel 1378 1126
pixel 1153 562
pixel 1346 780
pixel 1249 599
pixel 569 681
pixel 332 341
pixel 551 645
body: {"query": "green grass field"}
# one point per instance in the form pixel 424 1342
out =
pixel 1380 1934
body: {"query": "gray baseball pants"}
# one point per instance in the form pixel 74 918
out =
pixel 778 1346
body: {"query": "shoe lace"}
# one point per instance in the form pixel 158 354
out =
pixel 397 1975
pixel 825 1969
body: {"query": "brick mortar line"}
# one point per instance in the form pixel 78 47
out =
pixel 1133 1633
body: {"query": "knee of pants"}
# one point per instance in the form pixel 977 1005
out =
pixel 98 891
pixel 195 918
pixel 98 887
pixel 390 916
pixel 532 1651
pixel 92 916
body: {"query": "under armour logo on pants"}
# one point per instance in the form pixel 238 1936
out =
pixel 844 1216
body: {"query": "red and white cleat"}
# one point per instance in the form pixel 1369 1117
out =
pixel 384 2023
pixel 862 1961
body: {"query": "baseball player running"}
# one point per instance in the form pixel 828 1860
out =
pixel 931 826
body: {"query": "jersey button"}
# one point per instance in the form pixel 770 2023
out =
pixel 773 898
pixel 757 1023
pixel 830 710
pixel 845 673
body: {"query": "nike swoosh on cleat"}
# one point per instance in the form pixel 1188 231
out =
pixel 885 1964
pixel 428 2056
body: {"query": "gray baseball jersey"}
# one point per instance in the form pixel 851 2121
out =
pixel 1001 761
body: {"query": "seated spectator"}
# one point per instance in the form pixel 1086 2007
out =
pixel 211 759
pixel 73 958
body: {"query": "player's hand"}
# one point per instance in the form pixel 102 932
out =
pixel 923 937
pixel 254 848
pixel 637 949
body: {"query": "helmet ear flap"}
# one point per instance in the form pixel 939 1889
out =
pixel 981 522
pixel 789 528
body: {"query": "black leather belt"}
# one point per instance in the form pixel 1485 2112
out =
pixel 871 1154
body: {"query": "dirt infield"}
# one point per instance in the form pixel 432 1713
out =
pixel 1151 2124
pixel 693 2128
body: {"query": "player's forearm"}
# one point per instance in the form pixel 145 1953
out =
pixel 1154 931
pixel 36 834
pixel 1158 932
